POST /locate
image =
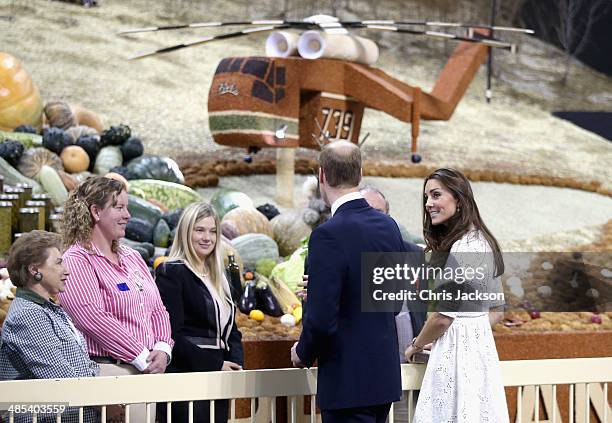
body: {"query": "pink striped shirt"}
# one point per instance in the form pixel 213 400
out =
pixel 117 307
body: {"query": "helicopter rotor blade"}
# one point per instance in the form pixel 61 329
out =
pixel 296 24
pixel 489 92
pixel 436 23
pixel 443 35
pixel 208 39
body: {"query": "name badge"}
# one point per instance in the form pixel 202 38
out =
pixel 123 287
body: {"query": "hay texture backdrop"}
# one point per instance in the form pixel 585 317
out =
pixel 74 55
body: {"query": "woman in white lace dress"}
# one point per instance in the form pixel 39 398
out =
pixel 462 381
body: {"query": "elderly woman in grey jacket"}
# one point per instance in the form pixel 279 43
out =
pixel 39 340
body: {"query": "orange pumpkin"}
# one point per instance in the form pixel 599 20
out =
pixel 248 220
pixel 20 102
pixel 75 159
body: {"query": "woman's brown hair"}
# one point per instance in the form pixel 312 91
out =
pixel 78 222
pixel 30 248
pixel 440 238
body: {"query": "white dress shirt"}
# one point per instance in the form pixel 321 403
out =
pixel 344 199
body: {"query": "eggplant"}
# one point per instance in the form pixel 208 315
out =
pixel 248 300
pixel 267 301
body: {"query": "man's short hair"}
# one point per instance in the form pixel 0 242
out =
pixel 341 163
pixel 370 188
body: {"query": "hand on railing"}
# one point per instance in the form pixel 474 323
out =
pixel 158 360
pixel 230 365
pixel 115 413
pixel 295 359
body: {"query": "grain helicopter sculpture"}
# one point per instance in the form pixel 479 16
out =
pixel 284 100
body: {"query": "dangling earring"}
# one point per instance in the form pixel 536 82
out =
pixel 38 276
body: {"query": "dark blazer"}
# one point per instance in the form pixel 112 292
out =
pixel 418 315
pixel 193 315
pixel 356 351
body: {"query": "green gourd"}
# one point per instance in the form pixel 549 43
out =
pixel 52 183
pixel 108 158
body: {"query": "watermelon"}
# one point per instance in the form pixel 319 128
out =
pixel 225 200
pixel 171 195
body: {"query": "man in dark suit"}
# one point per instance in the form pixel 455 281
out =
pixel 409 322
pixel 359 373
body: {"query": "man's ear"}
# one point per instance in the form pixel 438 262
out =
pixel 321 176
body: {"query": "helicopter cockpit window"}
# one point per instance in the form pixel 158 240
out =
pixel 235 66
pixel 256 67
pixel 223 66
pixel 262 92
pixel 280 75
pixel 270 78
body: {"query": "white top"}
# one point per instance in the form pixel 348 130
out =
pixel 473 251
pixel 344 199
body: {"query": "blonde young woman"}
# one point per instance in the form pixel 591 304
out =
pixel 110 294
pixel 196 293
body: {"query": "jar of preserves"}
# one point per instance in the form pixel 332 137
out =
pixel 42 211
pixel 14 200
pixel 48 204
pixel 28 219
pixel 55 222
pixel 6 217
pixel 27 188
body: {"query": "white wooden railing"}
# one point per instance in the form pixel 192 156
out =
pixel 587 379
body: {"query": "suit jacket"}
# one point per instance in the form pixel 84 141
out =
pixel 356 351
pixel 418 315
pixel 193 317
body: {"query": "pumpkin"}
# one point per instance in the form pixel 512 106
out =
pixel 254 247
pixel 59 115
pixel 75 159
pixel 248 220
pixel 76 132
pixel 226 200
pixel 13 177
pixel 86 117
pixel 20 101
pixel 288 230
pixel 229 230
pixel 156 167
pixel 34 159
pixel 107 158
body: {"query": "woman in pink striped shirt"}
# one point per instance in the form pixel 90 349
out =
pixel 110 293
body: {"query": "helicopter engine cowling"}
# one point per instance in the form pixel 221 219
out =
pixel 317 45
pixel 282 44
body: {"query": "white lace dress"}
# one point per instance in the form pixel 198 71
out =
pixel 462 381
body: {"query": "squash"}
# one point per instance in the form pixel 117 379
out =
pixel 142 209
pixel 254 247
pixel 224 200
pixel 288 230
pixel 52 183
pixel 76 132
pixel 248 220
pixel 75 159
pixel 70 182
pixel 108 158
pixel 171 195
pixel 161 234
pixel 59 115
pixel 34 159
pixel 20 101
pixel 86 117
pixel 28 140
pixel 12 177
pixel 156 167
pixel 139 230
